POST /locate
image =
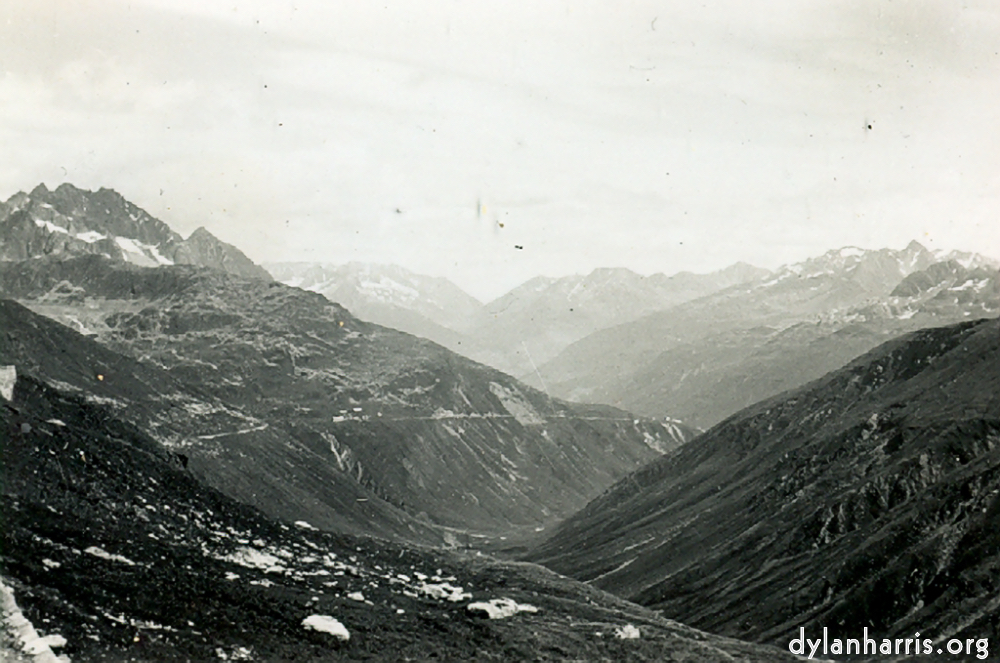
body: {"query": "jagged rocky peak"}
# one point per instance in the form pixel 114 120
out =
pixel 70 221
pixel 946 274
pixel 205 249
pixel 873 269
pixel 105 211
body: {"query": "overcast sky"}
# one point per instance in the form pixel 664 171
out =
pixel 441 135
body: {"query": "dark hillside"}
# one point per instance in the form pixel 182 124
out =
pixel 870 497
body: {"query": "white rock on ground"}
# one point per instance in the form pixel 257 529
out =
pixel 8 376
pixel 37 647
pixel 326 624
pixel 103 554
pixel 627 632
pixel 445 591
pixel 500 608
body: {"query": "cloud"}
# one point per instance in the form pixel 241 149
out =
pixel 660 136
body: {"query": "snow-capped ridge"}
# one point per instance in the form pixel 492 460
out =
pixel 70 221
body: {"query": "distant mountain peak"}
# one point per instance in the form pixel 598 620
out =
pixel 967 259
pixel 428 306
pixel 70 221
pixel 201 232
pixel 613 272
pixel 875 270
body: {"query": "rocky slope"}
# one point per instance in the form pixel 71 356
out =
pixel 114 552
pixel 444 439
pixel 196 424
pixel 868 498
pixel 70 222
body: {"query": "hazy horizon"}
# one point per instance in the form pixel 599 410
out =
pixel 654 136
pixel 494 295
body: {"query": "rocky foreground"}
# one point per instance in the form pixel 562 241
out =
pixel 115 552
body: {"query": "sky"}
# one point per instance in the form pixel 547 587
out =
pixel 490 142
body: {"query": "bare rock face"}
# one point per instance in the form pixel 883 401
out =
pixel 204 249
pixel 870 497
pixel 71 222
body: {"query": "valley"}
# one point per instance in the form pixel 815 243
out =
pixel 811 447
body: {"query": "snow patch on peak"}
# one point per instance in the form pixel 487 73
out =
pixel 51 227
pixel 145 252
pixel 157 256
pixel 128 245
pixel 91 236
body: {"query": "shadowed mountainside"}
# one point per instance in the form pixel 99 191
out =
pixel 188 418
pixel 870 497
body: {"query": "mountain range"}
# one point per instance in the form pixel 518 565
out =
pixel 450 442
pixel 706 359
pixel 517 331
pixel 696 348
